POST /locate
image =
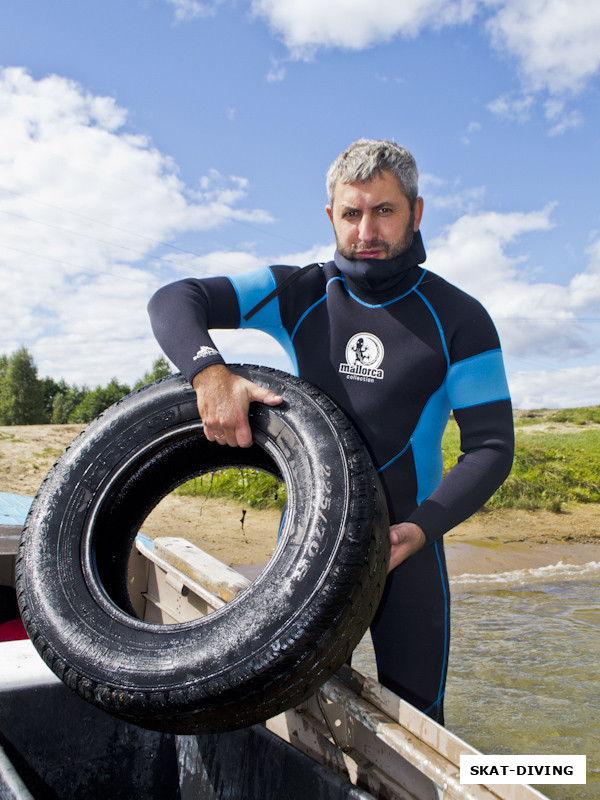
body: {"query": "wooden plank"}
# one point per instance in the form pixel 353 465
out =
pixel 353 725
pixel 202 568
pixel 171 595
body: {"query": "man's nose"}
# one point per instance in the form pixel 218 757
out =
pixel 366 229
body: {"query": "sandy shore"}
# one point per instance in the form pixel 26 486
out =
pixel 497 541
pixel 487 543
pixel 501 541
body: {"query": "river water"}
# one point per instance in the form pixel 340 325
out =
pixel 524 672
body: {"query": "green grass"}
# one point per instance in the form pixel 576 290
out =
pixel 253 488
pixel 550 468
pixel 577 416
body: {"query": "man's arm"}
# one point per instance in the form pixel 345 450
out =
pixel 483 467
pixel 487 442
pixel 181 315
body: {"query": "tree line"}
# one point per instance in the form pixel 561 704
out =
pixel 26 399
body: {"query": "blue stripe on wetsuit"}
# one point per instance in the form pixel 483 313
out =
pixel 426 443
pixel 472 382
pixel 251 288
pixel 442 687
pixel 477 380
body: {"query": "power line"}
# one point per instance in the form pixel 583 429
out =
pixel 149 238
pixel 142 253
pixel 70 264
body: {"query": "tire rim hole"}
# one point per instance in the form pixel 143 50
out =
pixel 175 474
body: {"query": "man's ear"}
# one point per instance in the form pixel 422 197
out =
pixel 329 211
pixel 418 213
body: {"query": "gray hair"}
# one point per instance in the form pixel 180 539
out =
pixel 367 158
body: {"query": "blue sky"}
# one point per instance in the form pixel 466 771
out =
pixel 148 140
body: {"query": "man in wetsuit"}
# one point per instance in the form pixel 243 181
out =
pixel 397 347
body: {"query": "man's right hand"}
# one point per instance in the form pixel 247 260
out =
pixel 223 402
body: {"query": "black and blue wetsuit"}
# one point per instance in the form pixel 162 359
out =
pixel 397 359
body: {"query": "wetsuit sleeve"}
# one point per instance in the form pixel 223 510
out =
pixel 478 394
pixel 181 315
pixel 487 443
pixel 183 312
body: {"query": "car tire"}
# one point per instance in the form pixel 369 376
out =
pixel 276 642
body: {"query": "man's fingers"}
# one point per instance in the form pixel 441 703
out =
pixel 235 435
pixel 238 432
pixel 242 435
pixel 405 540
pixel 259 394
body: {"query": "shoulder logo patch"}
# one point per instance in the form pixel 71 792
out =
pixel 364 353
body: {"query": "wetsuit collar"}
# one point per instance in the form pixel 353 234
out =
pixel 382 274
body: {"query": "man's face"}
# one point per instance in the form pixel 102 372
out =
pixel 373 219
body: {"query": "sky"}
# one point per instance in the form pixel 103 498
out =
pixel 143 141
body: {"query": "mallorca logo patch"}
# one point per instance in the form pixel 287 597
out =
pixel 364 353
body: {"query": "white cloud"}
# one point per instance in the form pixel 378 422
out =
pixel 277 72
pixel 559 388
pixel 471 251
pixel 251 347
pixel 561 119
pixel 193 9
pixel 540 323
pixel 84 207
pixel 236 262
pixel 519 108
pixel 353 24
pixel 472 128
pixel 555 45
pixel 217 262
pixel 536 320
pixel 457 199
pixel 554 41
pixel 318 253
pixel 512 108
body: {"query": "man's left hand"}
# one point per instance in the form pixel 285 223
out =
pixel 406 539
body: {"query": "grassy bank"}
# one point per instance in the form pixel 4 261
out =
pixel 557 461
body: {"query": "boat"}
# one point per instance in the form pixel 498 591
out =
pixel 352 740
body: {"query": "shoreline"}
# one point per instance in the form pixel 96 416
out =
pixel 485 558
pixel 489 542
pixel 509 540
pixel 512 539
pixel 482 557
